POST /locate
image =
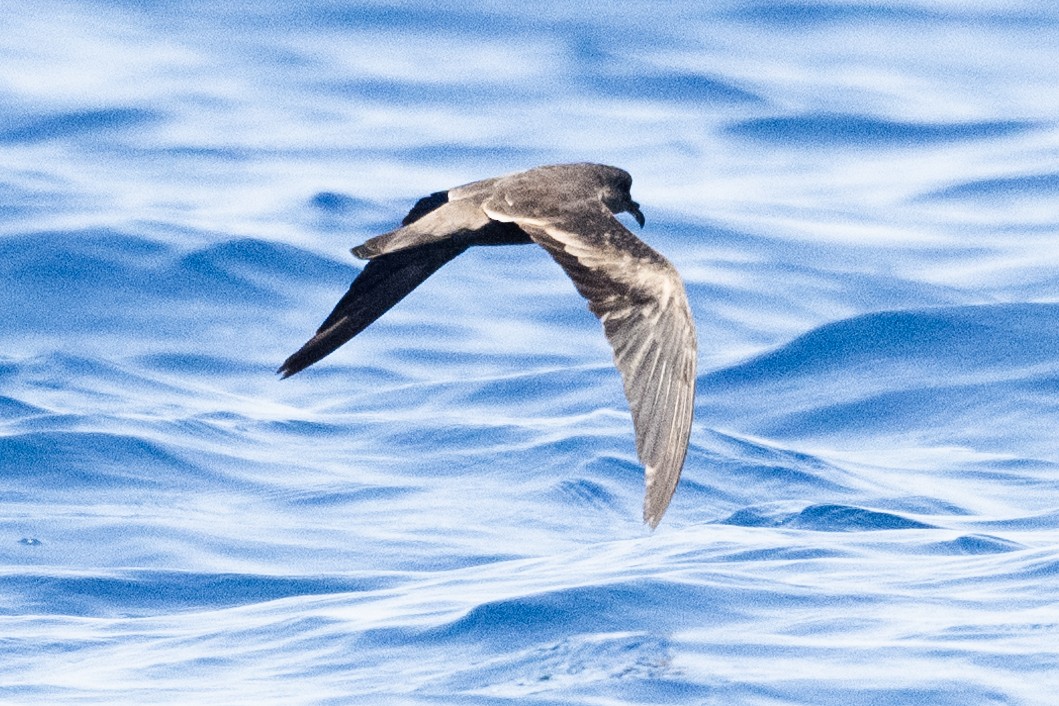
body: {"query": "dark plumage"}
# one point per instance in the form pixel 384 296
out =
pixel 568 209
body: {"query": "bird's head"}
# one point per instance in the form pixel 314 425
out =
pixel 616 195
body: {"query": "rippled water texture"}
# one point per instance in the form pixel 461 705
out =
pixel 863 199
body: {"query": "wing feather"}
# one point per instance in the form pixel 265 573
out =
pixel 382 283
pixel 640 300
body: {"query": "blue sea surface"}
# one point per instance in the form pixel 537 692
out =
pixel 863 198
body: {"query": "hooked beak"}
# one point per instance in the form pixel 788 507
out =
pixel 634 209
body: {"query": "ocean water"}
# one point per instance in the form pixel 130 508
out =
pixel 863 198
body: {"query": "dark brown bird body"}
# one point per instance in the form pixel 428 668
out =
pixel 568 209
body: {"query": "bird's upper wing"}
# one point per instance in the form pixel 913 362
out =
pixel 439 216
pixel 640 299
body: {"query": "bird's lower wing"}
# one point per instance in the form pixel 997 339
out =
pixel 383 282
pixel 640 299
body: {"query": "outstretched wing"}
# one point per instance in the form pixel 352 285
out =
pixel 640 299
pixel 383 282
pixel 437 229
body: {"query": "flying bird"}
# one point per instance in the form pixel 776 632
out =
pixel 568 209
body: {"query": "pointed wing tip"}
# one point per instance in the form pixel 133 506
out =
pixel 291 366
pixel 655 500
pixel 653 511
pixel 652 515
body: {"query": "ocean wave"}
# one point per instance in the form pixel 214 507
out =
pixel 828 518
pixel 857 131
pixel 448 509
